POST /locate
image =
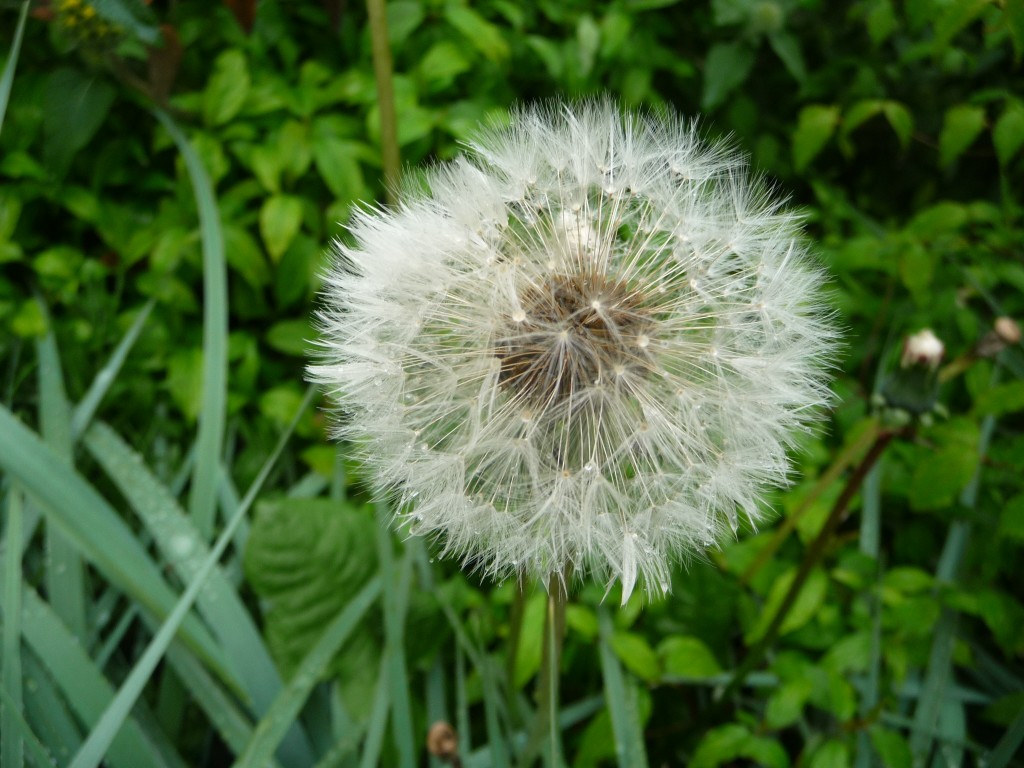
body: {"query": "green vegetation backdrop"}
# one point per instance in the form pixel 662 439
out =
pixel 194 575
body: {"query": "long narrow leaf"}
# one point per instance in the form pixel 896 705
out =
pixel 83 685
pixel 65 573
pixel 7 78
pixel 288 704
pixel 11 750
pixel 95 747
pixel 87 406
pixel 1008 744
pixel 186 551
pixel 24 732
pixel 621 701
pixel 95 528
pixel 203 493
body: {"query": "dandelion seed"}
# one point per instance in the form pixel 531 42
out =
pixel 586 347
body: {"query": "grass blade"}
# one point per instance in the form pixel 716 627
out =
pixel 24 732
pixel 272 727
pixel 11 751
pixel 95 747
pixel 84 687
pixel 203 493
pixel 1008 744
pixel 395 603
pixel 7 78
pixel 65 575
pixel 96 529
pixel 377 723
pixel 621 701
pixel 88 405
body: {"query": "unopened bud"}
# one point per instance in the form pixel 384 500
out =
pixel 923 348
pixel 442 741
pixel 1007 329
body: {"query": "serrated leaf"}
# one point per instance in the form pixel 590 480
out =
pixel 725 69
pixel 227 87
pixel 961 127
pixel 814 128
pixel 280 219
pixel 305 558
pixel 1008 133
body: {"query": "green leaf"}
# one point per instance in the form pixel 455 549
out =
pixel 917 268
pixel 831 754
pixel 337 162
pixel 245 256
pixel 227 87
pixel 687 657
pixel 280 219
pixel 74 107
pixel 131 15
pixel 807 603
pixel 730 742
pixel 443 62
pixel 305 558
pixel 185 380
pixel 1011 521
pixel 621 698
pixel 725 69
pixel 891 748
pixel 1001 399
pixel 7 78
pixel 962 126
pixel 477 31
pixel 1013 12
pixel 291 337
pixel 900 120
pixel 858 114
pixel 815 127
pixel 955 16
pixel 937 480
pixel 787 48
pixel 1008 133
pixel 786 703
pixel 636 655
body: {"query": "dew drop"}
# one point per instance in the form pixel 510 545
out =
pixel 518 316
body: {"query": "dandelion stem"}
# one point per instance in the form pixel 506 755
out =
pixel 546 718
pixel 813 556
pixel 515 630
pixel 382 69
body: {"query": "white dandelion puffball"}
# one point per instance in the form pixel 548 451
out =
pixel 586 348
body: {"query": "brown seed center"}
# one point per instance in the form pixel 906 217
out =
pixel 573 332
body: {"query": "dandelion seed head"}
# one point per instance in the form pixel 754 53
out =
pixel 587 347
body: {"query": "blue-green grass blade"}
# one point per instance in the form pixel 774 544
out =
pixel 7 78
pixel 288 704
pixel 119 709
pixel 88 405
pixel 96 529
pixel 377 724
pixel 65 574
pixel 130 15
pixel 11 751
pixel 23 732
pixel 620 698
pixel 212 413
pixel 48 713
pixel 462 727
pixel 1008 744
pixel 84 687
pixel 395 603
pixel 870 538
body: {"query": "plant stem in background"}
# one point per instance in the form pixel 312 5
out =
pixel 382 70
pixel 546 719
pixel 813 556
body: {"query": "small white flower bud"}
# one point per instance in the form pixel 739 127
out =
pixel 923 348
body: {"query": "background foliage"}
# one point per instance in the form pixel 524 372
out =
pixel 171 175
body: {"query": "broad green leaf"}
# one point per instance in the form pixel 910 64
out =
pixel 75 105
pixel 786 703
pixel 280 219
pixel 227 87
pixel 725 69
pixel 687 657
pixel 337 162
pixel 787 48
pixel 962 125
pixel 891 748
pixel 806 604
pixel 1011 520
pixel 531 638
pixel 900 119
pixel 185 380
pixel 831 754
pixel 858 114
pixel 444 61
pixel 305 558
pixel 917 268
pixel 815 127
pixel 244 255
pixel 1001 399
pixel 1008 133
pixel 938 479
pixel 636 655
pixel 293 337
pixel 477 31
pixel 727 743
pixel 955 16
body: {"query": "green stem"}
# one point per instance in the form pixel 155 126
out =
pixel 813 556
pixel 383 71
pixel 546 717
